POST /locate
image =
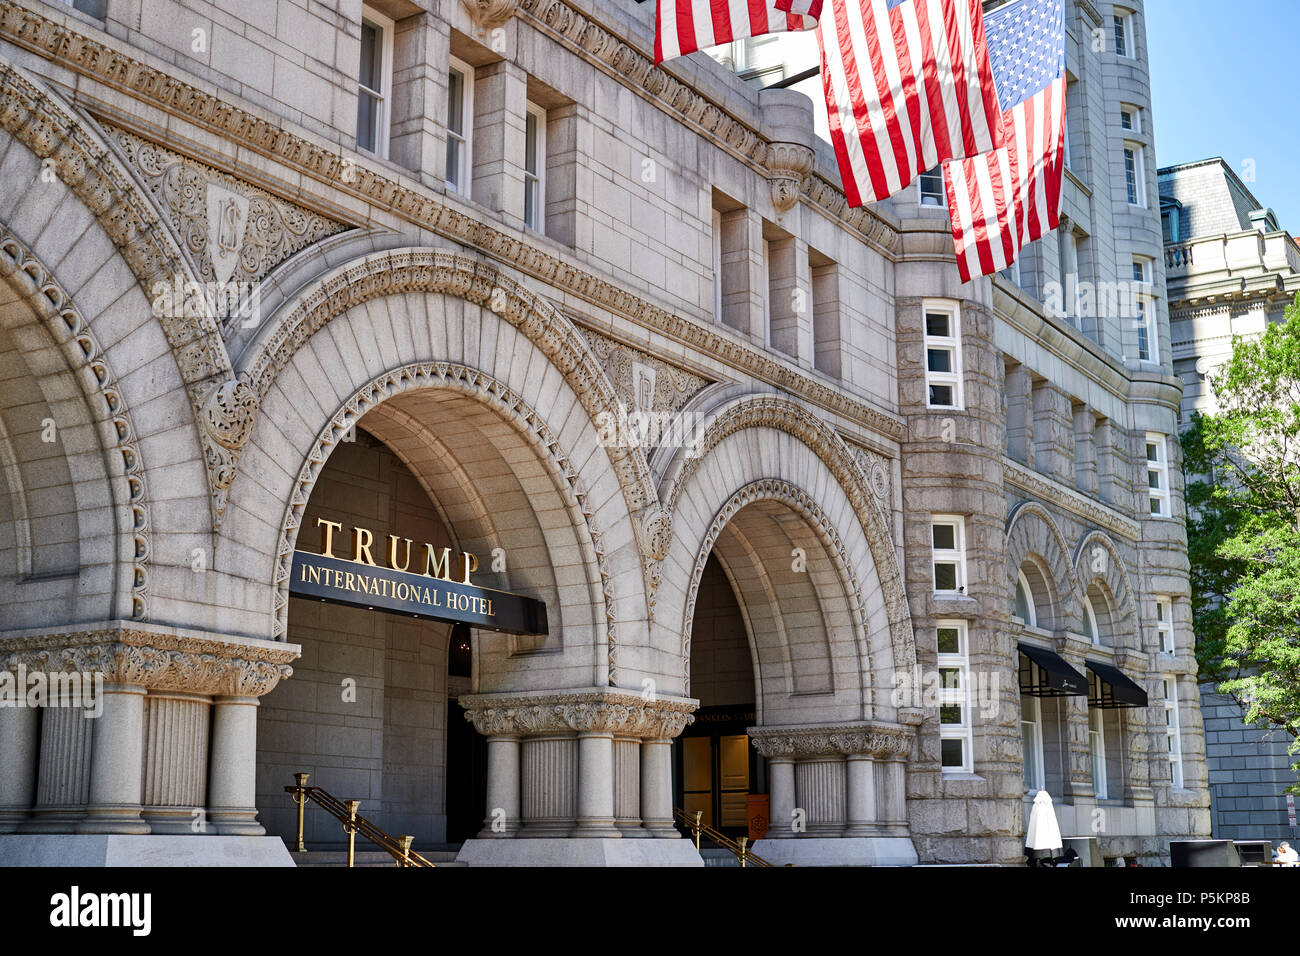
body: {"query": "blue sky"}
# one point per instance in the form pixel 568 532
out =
pixel 1222 75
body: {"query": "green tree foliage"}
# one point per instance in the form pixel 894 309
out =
pixel 1243 528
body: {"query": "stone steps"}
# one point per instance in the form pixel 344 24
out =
pixel 370 858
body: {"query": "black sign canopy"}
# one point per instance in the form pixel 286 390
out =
pixel 1112 688
pixel 1045 673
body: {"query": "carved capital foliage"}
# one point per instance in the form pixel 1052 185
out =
pixel 605 712
pixel 787 165
pixel 157 660
pixel 490 14
pixel 869 738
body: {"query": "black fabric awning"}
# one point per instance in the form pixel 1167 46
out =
pixel 1045 673
pixel 1113 688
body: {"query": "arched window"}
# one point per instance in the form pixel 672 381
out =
pixel 1090 630
pixel 1025 600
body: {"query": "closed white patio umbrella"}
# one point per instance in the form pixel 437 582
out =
pixel 1043 841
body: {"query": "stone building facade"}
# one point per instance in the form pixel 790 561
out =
pixel 1231 270
pixel 480 275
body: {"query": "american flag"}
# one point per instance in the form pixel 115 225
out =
pixel 908 84
pixel 1000 202
pixel 684 26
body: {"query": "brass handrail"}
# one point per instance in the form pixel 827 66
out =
pixel 740 849
pixel 345 811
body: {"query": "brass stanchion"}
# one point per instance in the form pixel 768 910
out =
pixel 698 815
pixel 743 854
pixel 300 798
pixel 405 843
pixel 350 828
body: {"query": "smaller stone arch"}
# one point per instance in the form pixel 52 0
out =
pixel 1099 563
pixel 1034 540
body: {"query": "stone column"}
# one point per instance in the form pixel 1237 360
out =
pixel 1077 770
pixel 503 817
pixel 1053 432
pixel 19 748
pixel 596 785
pixel 1018 387
pixel 820 792
pixel 63 778
pixel 1085 449
pixel 657 788
pixel 500 95
pixel 861 795
pixel 780 771
pixel 232 777
pixel 176 761
pixel 891 794
pixel 549 785
pixel 627 786
pixel 117 758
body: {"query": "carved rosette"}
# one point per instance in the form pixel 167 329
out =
pixel 871 738
pixel 156 659
pixel 627 715
pixel 490 14
pixel 787 165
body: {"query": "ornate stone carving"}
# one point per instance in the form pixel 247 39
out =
pixel 156 659
pixel 231 230
pixel 872 738
pixel 490 14
pixel 641 381
pixel 492 393
pixel 785 415
pixel 879 471
pixel 1092 512
pixel 39 120
pixel 594 711
pixel 69 328
pixel 787 165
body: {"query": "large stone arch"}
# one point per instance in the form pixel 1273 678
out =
pixel 99 434
pixel 1033 536
pixel 77 154
pixel 819 440
pixel 514 411
pixel 1098 560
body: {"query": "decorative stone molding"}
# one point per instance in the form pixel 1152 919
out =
pixel 255 232
pixel 1114 574
pixel 490 14
pixel 787 165
pixel 29 30
pixel 588 711
pixel 86 358
pixel 871 738
pixel 156 659
pixel 1033 532
pixel 879 472
pixel 782 414
pixel 434 271
pixel 771 489
pixel 643 382
pixel 227 419
pixel 1091 512
pixel 50 129
pixel 482 387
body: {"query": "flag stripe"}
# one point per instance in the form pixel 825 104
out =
pixel 684 26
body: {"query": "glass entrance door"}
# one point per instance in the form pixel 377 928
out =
pixel 715 770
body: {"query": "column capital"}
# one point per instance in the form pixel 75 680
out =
pixel 871 738
pixel 595 711
pixel 157 658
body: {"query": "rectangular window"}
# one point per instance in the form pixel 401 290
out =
pixel 1031 737
pixel 1123 34
pixel 1165 624
pixel 717 265
pixel 942 358
pixel 1070 273
pixel 534 166
pixel 1158 474
pixel 374 82
pixel 1097 746
pixel 1169 224
pixel 1135 175
pixel 955 725
pixel 932 189
pixel 1146 313
pixel 947 536
pixel 767 293
pixel 1130 119
pixel 460 120
pixel 1173 735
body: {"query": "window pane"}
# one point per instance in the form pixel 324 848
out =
pixel 945 577
pixel 949 640
pixel 367 121
pixel 939 360
pixel 1153 480
pixel 952 753
pixel 944 536
pixel 530 203
pixel 941 395
pixel 530 143
pixel 950 678
pixel 1022 604
pixel 371 55
pixel 1153 451
pixel 453 161
pixel 455 102
pixel 936 325
pixel 950 714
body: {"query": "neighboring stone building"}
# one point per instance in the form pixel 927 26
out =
pixel 449 263
pixel 1231 271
